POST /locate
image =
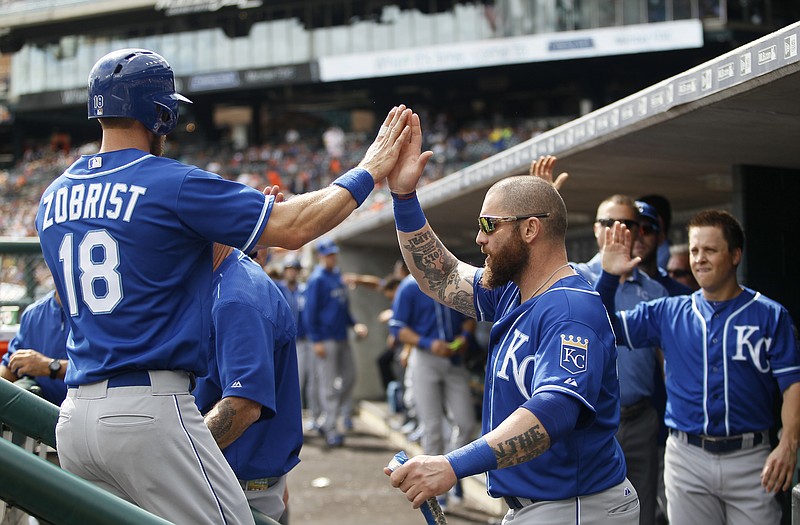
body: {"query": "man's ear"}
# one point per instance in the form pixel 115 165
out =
pixel 737 256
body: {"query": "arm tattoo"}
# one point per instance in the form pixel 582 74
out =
pixel 221 421
pixel 440 271
pixel 524 447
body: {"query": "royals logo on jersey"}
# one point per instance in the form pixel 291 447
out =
pixel 573 354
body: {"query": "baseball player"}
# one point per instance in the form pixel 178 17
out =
pixel 440 379
pixel 637 368
pixel 294 291
pixel 551 400
pixel 128 237
pixel 728 350
pixel 251 397
pixel 39 348
pixel 327 317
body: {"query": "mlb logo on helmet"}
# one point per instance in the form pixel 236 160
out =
pixel 573 354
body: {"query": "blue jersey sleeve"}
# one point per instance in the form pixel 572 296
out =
pixel 570 359
pixel 245 357
pixel 402 309
pixel 784 356
pixel 201 190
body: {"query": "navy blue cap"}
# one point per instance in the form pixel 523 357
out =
pixel 327 247
pixel 292 262
pixel 648 212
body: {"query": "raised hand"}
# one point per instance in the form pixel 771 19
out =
pixel 384 151
pixel 411 163
pixel 616 250
pixel 543 168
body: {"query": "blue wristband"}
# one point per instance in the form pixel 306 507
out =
pixel 358 182
pixel 473 458
pixel 408 214
pixel 425 343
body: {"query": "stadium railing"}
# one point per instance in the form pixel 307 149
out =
pixel 40 488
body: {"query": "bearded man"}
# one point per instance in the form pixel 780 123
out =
pixel 551 401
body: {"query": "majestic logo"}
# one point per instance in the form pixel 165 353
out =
pixel 236 384
pixel 757 349
pixel 573 354
pixel 571 382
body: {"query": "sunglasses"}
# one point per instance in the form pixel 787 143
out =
pixel 488 224
pixel 676 274
pixel 609 223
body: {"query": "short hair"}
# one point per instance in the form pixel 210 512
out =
pixel 662 206
pixel 524 194
pixel 623 200
pixel 731 229
pixel 117 122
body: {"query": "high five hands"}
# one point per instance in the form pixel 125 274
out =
pixel 616 250
pixel 543 168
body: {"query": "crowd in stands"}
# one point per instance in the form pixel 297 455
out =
pixel 296 163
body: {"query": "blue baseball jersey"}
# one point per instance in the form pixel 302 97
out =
pixel 327 309
pixel 128 237
pixel 43 327
pixel 429 319
pixel 253 356
pixel 560 341
pixel 636 366
pixel 724 361
pixel 296 299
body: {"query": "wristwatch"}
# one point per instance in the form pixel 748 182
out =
pixel 55 367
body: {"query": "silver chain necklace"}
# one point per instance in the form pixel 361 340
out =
pixel 548 279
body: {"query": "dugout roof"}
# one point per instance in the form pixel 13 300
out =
pixel 682 138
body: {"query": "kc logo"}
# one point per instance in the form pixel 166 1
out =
pixel 518 369
pixel 573 354
pixel 754 348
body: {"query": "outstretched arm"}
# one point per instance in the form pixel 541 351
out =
pixel 305 217
pixel 437 271
pixel 616 260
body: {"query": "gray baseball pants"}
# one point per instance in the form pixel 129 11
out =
pixel 441 389
pixel 149 445
pixel 336 375
pixel 717 489
pixel 618 505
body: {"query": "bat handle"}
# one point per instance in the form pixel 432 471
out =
pixel 434 515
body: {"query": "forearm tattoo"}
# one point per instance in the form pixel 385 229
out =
pixel 440 271
pixel 221 422
pixel 522 448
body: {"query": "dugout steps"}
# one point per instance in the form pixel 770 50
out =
pixel 378 418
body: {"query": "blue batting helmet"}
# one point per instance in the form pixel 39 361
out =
pixel 137 84
pixel 327 247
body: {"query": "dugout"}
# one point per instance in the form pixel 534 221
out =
pixel 723 134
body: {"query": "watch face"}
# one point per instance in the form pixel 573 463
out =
pixel 55 365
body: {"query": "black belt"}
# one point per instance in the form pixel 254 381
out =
pixel 720 445
pixel 518 503
pixel 132 378
pixel 635 410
